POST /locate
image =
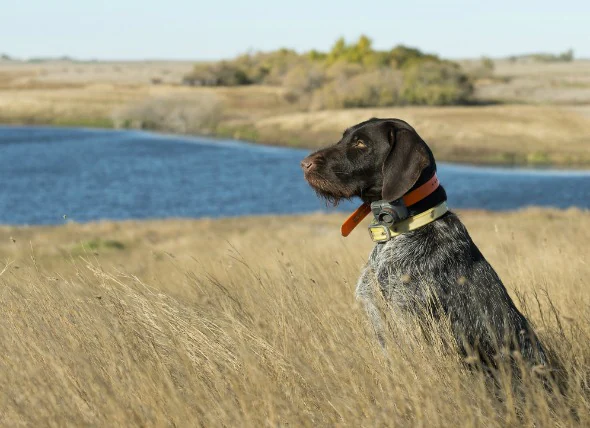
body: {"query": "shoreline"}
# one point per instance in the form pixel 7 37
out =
pixel 329 217
pixel 250 134
pixel 333 217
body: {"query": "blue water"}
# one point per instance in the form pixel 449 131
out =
pixel 46 173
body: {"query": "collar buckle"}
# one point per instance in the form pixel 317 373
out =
pixel 388 213
pixel 379 233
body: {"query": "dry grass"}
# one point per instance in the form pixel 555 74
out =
pixel 65 93
pixel 27 75
pixel 492 134
pixel 536 83
pixel 193 114
pixel 252 322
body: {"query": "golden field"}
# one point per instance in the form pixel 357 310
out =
pixel 253 322
pixel 543 118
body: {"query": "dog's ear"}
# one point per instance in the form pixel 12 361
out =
pixel 407 158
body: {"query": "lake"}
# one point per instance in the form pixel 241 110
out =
pixel 85 175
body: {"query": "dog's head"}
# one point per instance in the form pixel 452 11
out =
pixel 376 159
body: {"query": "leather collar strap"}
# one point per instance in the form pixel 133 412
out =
pixel 382 233
pixel 421 192
pixel 410 198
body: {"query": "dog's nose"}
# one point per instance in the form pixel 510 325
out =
pixel 307 164
pixel 311 162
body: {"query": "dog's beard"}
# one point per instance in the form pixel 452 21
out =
pixel 330 191
pixel 328 198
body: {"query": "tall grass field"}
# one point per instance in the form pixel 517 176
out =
pixel 253 322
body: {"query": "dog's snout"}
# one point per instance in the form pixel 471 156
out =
pixel 306 164
pixel 311 162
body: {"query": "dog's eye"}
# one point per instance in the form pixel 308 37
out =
pixel 360 144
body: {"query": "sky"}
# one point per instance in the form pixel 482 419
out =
pixel 205 30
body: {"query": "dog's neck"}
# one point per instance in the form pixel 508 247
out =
pixel 433 199
pixel 423 204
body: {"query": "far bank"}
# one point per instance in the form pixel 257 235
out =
pixel 518 135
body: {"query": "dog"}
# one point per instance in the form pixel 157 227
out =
pixel 424 256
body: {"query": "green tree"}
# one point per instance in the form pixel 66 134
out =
pixel 316 55
pixel 338 50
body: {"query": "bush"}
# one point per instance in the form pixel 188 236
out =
pixel 566 56
pixel 484 70
pixel 195 114
pixel 246 69
pixel 435 83
pixel 402 56
pixel 223 73
pixel 271 68
pixel 420 83
pixel 377 88
pixel 302 80
pixel 350 75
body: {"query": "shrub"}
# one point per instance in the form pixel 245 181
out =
pixel 302 80
pixel 435 83
pixel 421 83
pixel 484 70
pixel 566 56
pixel 402 56
pixel 195 114
pixel 343 70
pixel 487 63
pixel 272 67
pixel 350 75
pixel 377 88
pixel 223 73
pixel 244 70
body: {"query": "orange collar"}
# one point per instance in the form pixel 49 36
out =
pixel 410 198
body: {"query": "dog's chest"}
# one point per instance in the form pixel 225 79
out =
pixel 401 270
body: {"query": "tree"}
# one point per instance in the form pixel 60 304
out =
pixel 567 56
pixel 338 50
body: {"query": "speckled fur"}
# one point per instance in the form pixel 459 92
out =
pixel 439 267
